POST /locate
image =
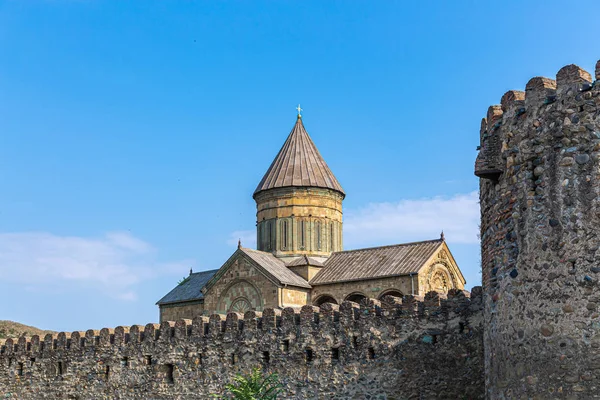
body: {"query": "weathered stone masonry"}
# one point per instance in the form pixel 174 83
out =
pixel 409 348
pixel 540 239
pixel 539 166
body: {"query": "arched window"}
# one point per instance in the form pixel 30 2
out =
pixel 260 239
pixel 331 230
pixel 284 234
pixel 269 235
pixel 302 234
pixel 318 234
pixel 390 292
pixel 325 236
pixel 324 299
pixel 356 297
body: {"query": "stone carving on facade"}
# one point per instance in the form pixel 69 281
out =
pixel 240 305
pixel 440 278
pixel 240 293
pixel 443 254
pixel 439 282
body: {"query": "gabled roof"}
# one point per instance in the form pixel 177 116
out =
pixel 190 289
pixel 272 267
pixel 305 260
pixel 275 267
pixel 299 163
pixel 377 262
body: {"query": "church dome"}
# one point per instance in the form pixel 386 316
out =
pixel 299 202
pixel 299 164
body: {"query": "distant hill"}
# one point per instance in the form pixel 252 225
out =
pixel 10 329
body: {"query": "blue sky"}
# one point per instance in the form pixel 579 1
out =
pixel 132 134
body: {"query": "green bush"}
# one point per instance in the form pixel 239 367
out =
pixel 254 387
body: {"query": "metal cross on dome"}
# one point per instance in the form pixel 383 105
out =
pixel 299 110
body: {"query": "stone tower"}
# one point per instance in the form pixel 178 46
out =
pixel 299 202
pixel 539 164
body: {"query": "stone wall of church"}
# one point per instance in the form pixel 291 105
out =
pixel 540 238
pixel 294 297
pixel 441 274
pixel 402 348
pixel 306 271
pixel 189 310
pixel 368 288
pixel 294 221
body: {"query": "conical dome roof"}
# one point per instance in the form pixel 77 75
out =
pixel 299 163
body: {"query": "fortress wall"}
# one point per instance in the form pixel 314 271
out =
pixel 540 238
pixel 412 347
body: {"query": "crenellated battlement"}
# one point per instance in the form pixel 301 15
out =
pixel 573 89
pixel 303 344
pixel 305 319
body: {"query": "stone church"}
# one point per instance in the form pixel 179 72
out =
pixel 300 258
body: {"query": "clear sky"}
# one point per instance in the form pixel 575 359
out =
pixel 133 133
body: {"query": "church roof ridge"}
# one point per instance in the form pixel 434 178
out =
pixel 390 245
pixel 304 260
pixel 299 164
pixel 376 262
pixel 275 267
pixel 189 289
